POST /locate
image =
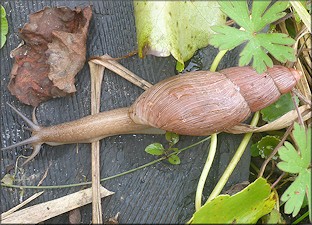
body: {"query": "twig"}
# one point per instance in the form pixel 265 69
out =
pixel 128 55
pixel 300 120
pixel 301 97
pixel 275 151
pixel 97 66
pixel 278 179
pixel 12 210
pixel 44 175
pixel 46 210
pixel 271 171
pixel 116 67
pixel 96 73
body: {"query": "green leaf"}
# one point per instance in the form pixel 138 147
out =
pixel 275 45
pixel 247 206
pixel 294 195
pixel 175 27
pixel 258 44
pixel 239 11
pixel 174 159
pixel 179 66
pixel 174 149
pixel 172 138
pixel 224 41
pixel 265 146
pixel 7 179
pixel 283 105
pixel 155 149
pixel 4 26
pixel 274 217
pixel 260 18
pixel 253 51
pixel 297 162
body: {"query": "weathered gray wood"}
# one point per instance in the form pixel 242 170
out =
pixel 159 194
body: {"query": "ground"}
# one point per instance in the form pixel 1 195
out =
pixel 162 193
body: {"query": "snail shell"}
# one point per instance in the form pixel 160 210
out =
pixel 202 102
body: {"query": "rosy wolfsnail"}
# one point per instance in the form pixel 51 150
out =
pixel 195 103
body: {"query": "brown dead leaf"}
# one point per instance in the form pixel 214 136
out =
pixel 113 220
pixel 53 52
pixel 74 216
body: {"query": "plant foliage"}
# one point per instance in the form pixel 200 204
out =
pixel 247 206
pixel 283 105
pixel 257 43
pixel 170 153
pixel 4 26
pixel 265 146
pixel 175 27
pixel 297 162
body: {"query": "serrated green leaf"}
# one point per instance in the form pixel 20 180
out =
pixel 254 151
pixel 275 44
pixel 223 41
pixel 261 18
pixel 283 105
pixel 303 141
pixel 254 51
pixel 265 146
pixel 257 44
pixel 155 149
pixel 239 11
pixel 294 161
pixel 258 9
pixel 4 26
pixel 294 195
pixel 175 27
pixel 174 159
pixel 172 138
pixel 247 206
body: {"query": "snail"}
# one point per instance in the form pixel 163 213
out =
pixel 195 103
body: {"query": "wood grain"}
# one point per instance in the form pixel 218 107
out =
pixel 159 194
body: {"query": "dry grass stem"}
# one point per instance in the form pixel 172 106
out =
pixel 280 123
pixel 96 73
pixel 12 210
pixel 46 210
pixel 116 67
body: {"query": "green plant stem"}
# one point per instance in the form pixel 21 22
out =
pixel 301 218
pixel 212 148
pixel 106 178
pixel 217 60
pixel 205 171
pixel 252 165
pixel 228 171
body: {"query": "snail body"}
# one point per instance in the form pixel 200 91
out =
pixel 195 103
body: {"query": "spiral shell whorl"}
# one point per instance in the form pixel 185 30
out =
pixel 261 90
pixel 202 102
pixel 196 103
